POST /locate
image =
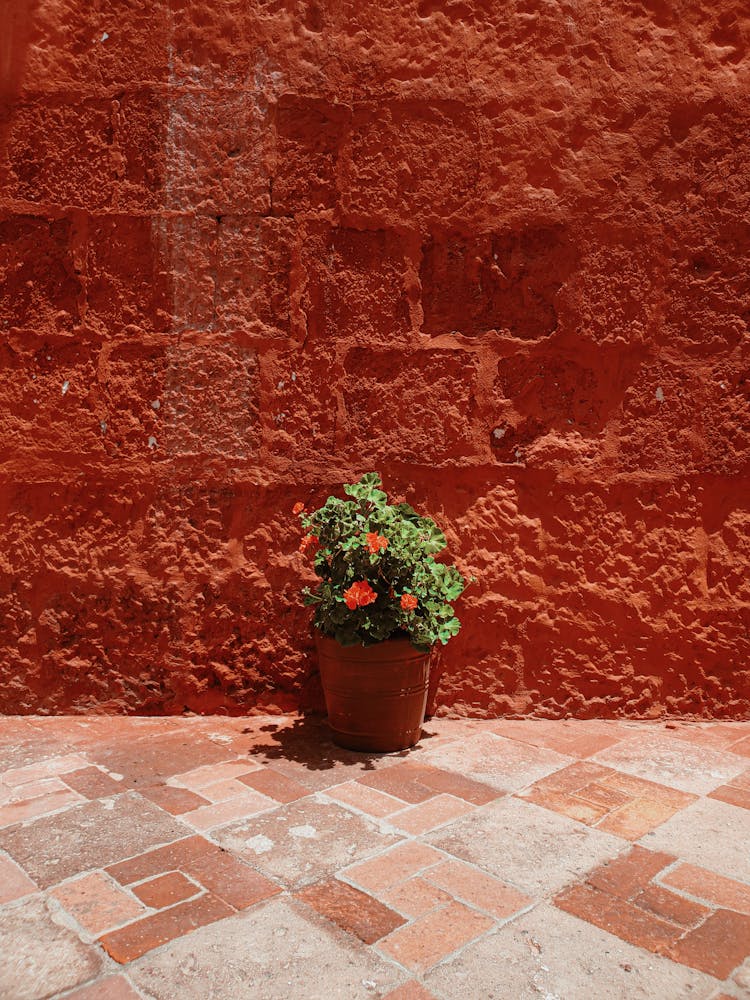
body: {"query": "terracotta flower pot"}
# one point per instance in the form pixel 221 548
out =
pixel 375 695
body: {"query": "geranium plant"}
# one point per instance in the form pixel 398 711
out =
pixel 378 574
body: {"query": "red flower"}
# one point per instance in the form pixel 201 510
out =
pixel 408 602
pixel 359 594
pixel 298 507
pixel 376 542
pixel 307 541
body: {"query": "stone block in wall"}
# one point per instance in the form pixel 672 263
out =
pixel 407 161
pixel 216 155
pixel 128 277
pixel 39 283
pixel 58 152
pixel 211 405
pixel 300 405
pixel 502 281
pixel 360 286
pixel 410 406
pixel 252 274
pixel 308 135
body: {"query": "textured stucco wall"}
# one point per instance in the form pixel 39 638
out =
pixel 498 251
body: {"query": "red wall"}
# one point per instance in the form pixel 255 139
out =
pixel 499 251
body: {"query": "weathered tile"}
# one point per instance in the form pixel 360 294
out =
pixel 165 890
pixel 27 809
pixel 436 812
pixel 672 762
pixel 171 857
pixel 529 847
pixel 148 759
pixel 618 917
pixel 410 991
pixel 414 897
pixel 547 953
pixel 93 783
pixel 366 799
pixel 352 910
pixel 14 882
pixel 426 941
pixel 275 785
pixel 231 880
pixel 477 888
pixel 717 890
pixel 44 769
pixel 88 836
pixel 302 842
pixel 393 866
pixel 710 834
pixel 670 906
pixel 111 988
pixel 400 781
pixel 571 737
pixel 627 874
pixel 249 803
pixel 492 760
pixel 718 946
pixel 40 956
pixel 129 943
pixel 220 960
pixel 97 902
pixel 175 800
pixel 209 774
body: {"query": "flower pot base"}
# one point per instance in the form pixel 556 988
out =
pixel 375 695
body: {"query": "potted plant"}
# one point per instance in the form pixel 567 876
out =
pixel 381 604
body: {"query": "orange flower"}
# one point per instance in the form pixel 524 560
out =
pixel 376 542
pixel 298 507
pixel 307 541
pixel 359 594
pixel 408 602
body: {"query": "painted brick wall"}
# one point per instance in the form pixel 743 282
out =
pixel 498 251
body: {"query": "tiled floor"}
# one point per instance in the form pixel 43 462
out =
pixel 226 858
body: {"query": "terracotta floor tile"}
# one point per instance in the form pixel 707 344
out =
pixel 426 941
pixel 88 836
pixel 603 795
pixel 129 943
pixel 477 888
pixel 742 747
pixel 366 799
pixel 146 760
pixel 628 874
pixel 431 814
pixel 14 882
pixel 220 791
pixel 275 785
pixel 165 890
pixel 672 762
pixel 303 842
pixel 718 946
pixel 410 991
pixel 710 834
pixel 172 857
pixel 400 782
pixel 492 760
pixel 618 917
pixel 32 789
pixel 93 783
pixel 636 819
pixel 44 769
pixel 97 903
pixel 111 988
pixel 670 906
pixel 21 812
pixel 576 739
pixel 568 780
pixel 565 804
pixel 715 889
pixel 250 803
pixel 353 911
pixel 394 866
pixel 461 787
pixel 415 897
pixel 231 880
pixel 734 796
pixel 209 774
pixel 641 788
pixel 174 800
